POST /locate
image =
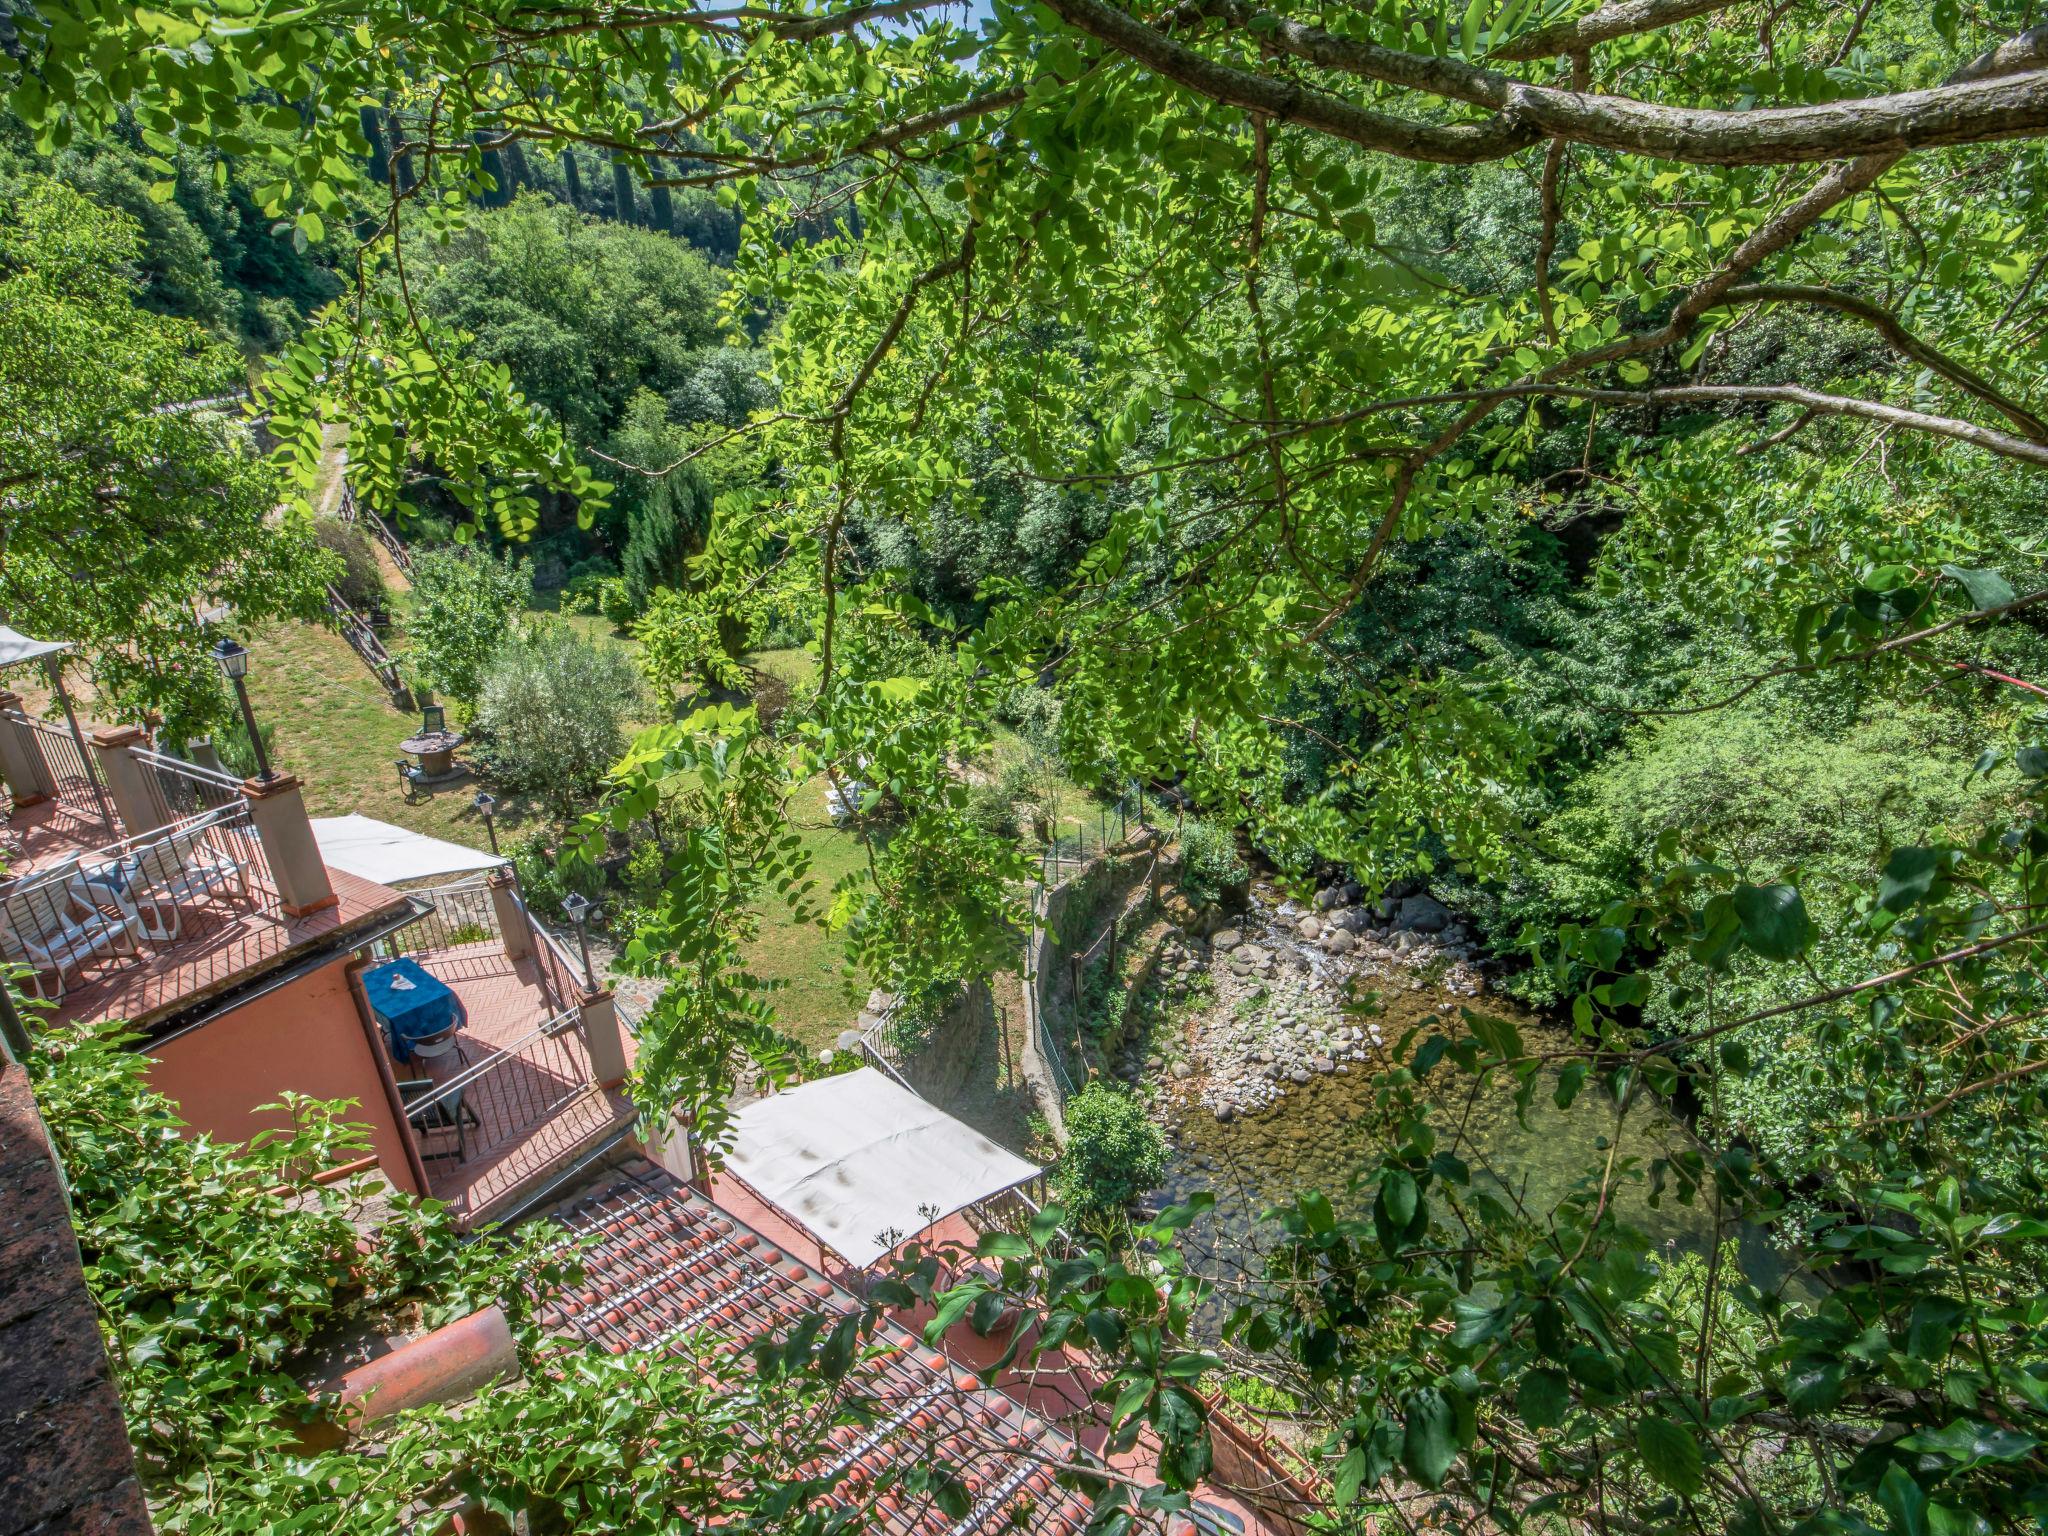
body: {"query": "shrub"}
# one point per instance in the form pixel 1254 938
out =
pixel 463 601
pixel 361 583
pixel 993 808
pixel 1209 865
pixel 615 602
pixel 1114 1152
pixel 584 591
pixel 551 713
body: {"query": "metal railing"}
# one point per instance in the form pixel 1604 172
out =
pixel 178 789
pixel 140 896
pixel 361 636
pixel 69 768
pixel 1065 853
pixel 353 511
pixel 1009 1210
pixel 501 1100
pixel 561 973
pixel 460 912
pixel 1055 1057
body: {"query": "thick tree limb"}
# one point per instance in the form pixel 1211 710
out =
pixel 1991 441
pixel 1602 26
pixel 1901 340
pixel 1974 108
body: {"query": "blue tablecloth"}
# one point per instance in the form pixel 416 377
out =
pixel 412 1004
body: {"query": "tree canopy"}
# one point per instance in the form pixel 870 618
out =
pixel 1274 315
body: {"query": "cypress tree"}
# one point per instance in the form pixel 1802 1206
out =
pixel 661 210
pixel 380 155
pixel 623 208
pixel 518 174
pixel 499 193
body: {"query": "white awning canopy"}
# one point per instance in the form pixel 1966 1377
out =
pixel 376 850
pixel 15 647
pixel 860 1162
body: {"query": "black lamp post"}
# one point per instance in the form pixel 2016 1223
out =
pixel 234 666
pixel 579 908
pixel 486 803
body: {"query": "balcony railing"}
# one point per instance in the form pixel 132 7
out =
pixel 502 1100
pixel 140 897
pixel 71 775
pixel 179 789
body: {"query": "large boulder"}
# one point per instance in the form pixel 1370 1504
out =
pixel 1423 914
pixel 1351 919
pixel 1225 940
pixel 1335 941
pixel 1309 927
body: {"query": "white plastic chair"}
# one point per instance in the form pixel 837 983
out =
pixel 184 867
pixel 54 926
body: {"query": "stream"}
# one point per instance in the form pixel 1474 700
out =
pixel 1310 1137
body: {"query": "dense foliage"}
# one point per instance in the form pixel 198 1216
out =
pixel 551 713
pixel 1114 1153
pixel 1587 457
pixel 463 604
pixel 129 513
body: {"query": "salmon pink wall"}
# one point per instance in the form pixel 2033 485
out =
pixel 307 1037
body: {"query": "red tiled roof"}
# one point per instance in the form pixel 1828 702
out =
pixel 668 1269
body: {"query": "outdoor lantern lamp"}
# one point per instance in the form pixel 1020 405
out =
pixel 486 803
pixel 234 666
pixel 579 907
pixel 433 717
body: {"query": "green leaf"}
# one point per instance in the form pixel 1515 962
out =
pixel 1970 1441
pixel 1429 1442
pixel 1670 1454
pixel 1908 877
pixel 1543 1398
pixel 1398 1198
pixel 1813 1384
pixel 1904 1500
pixel 1773 920
pixel 1350 1475
pixel 1987 589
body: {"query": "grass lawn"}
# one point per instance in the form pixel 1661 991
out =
pixel 812 1002
pixel 335 727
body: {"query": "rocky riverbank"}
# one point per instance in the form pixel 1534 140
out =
pixel 1291 990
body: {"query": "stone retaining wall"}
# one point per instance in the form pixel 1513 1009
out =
pixel 939 1069
pixel 1061 917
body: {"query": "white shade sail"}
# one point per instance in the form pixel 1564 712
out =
pixel 860 1162
pixel 15 647
pixel 376 850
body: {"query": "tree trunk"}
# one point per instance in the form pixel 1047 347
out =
pixel 623 208
pixel 499 192
pixel 380 155
pixel 661 210
pixel 573 178
pixel 518 174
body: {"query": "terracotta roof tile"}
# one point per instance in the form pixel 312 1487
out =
pixel 667 1267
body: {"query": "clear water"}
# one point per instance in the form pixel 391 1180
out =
pixel 1316 1139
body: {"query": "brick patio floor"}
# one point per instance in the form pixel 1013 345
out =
pixel 535 1109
